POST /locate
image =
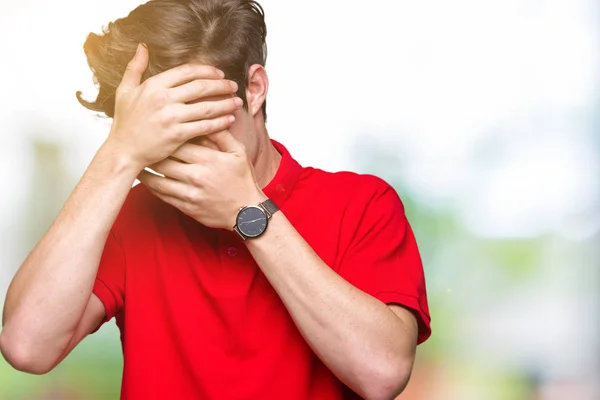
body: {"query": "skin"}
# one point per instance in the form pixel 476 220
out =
pixel 209 173
pixel 49 306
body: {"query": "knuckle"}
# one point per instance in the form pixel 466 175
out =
pixel 150 84
pixel 203 126
pixel 213 125
pixel 192 195
pixel 169 117
pixel 166 120
pixel 176 134
pixel 196 178
pixel 218 124
pixel 160 98
pixel 166 125
pixel 204 108
pixel 186 70
pixel 199 88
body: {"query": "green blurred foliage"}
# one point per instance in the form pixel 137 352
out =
pixel 92 372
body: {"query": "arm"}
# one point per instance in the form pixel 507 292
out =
pixel 48 296
pixel 368 345
pixel 49 306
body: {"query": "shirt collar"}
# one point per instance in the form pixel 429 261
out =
pixel 283 183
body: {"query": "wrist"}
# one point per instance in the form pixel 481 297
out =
pixel 117 161
pixel 252 221
pixel 257 197
pixel 249 200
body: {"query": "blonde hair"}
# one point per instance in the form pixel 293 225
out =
pixel 228 34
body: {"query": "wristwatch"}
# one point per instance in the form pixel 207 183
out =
pixel 252 221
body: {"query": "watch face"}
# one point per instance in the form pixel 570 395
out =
pixel 252 221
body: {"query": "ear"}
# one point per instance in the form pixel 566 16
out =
pixel 257 88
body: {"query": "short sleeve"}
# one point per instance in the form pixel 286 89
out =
pixel 110 280
pixel 383 259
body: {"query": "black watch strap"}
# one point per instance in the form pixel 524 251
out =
pixel 270 207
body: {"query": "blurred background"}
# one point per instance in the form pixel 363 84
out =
pixel 485 116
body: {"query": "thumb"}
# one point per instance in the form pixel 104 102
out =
pixel 226 142
pixel 135 69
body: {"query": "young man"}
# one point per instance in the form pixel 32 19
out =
pixel 235 273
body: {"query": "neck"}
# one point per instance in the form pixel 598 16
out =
pixel 267 160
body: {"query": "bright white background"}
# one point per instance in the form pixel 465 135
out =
pixel 433 77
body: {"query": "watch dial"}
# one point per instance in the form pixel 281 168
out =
pixel 252 221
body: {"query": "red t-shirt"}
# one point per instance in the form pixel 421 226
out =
pixel 198 318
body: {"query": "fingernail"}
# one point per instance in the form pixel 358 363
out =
pixel 234 85
pixel 231 119
pixel 220 73
pixel 139 47
pixel 238 102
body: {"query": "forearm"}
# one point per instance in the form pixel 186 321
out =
pixel 50 291
pixel 359 338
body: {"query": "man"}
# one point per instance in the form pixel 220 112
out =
pixel 233 273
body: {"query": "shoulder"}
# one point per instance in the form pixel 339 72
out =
pixel 359 190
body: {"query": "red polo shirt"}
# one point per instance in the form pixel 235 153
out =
pixel 198 318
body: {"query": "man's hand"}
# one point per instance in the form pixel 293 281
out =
pixel 152 119
pixel 208 184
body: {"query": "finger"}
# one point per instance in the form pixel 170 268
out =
pixel 135 69
pixel 174 201
pixel 194 154
pixel 203 88
pixel 166 186
pixel 177 170
pixel 190 130
pixel 226 142
pixel 186 73
pixel 204 141
pixel 207 109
